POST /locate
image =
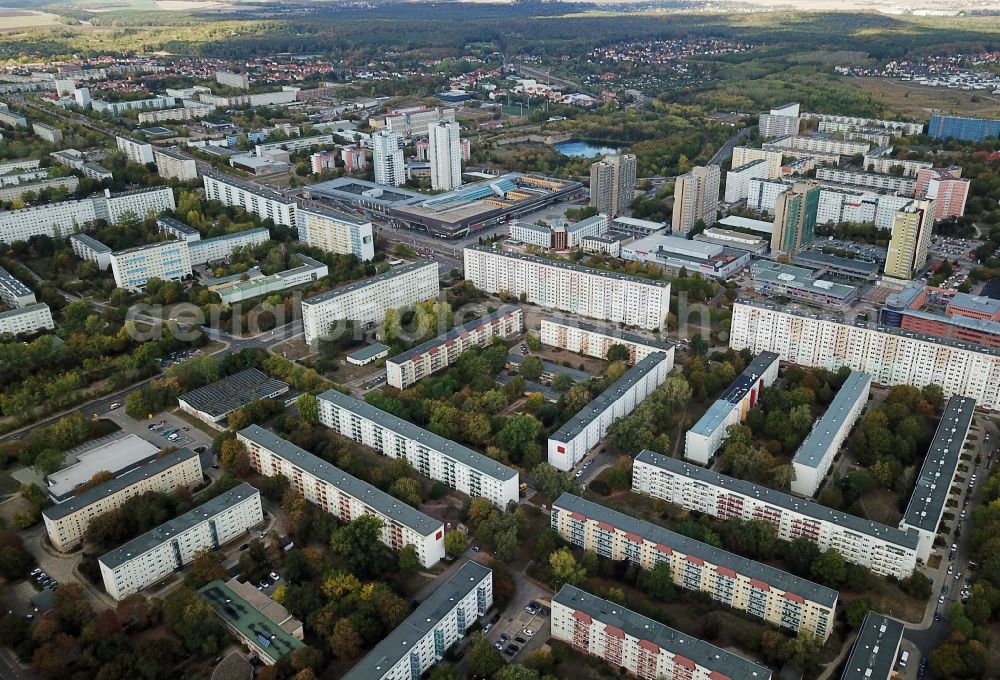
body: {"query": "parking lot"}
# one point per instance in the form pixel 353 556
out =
pixel 523 633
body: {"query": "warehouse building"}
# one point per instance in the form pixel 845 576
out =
pixel 213 403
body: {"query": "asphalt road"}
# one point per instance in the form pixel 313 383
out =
pixel 724 153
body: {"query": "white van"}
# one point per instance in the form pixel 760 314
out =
pixel 903 658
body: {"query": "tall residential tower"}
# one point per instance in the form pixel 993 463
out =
pixel 795 217
pixel 612 183
pixel 911 237
pixel 445 155
pixel 696 197
pixel 387 158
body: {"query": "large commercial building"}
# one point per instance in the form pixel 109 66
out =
pixel 812 461
pixel 966 129
pixel 937 474
pixel 911 239
pixel 595 341
pixel 644 647
pixel 780 122
pixel 145 560
pixel 892 356
pixel 966 318
pixel 738 179
pixel 571 288
pixel 612 183
pixel 344 496
pixel 172 164
pixel 873 656
pixel 336 232
pixel 777 597
pixel 439 622
pixel 946 187
pixel 213 403
pixel 407 368
pixel 571 442
pixel 445 155
pixel 261 201
pixel 167 261
pixel 367 301
pixel 696 197
pixel 67 522
pixel 456 466
pixel 703 440
pixel 116 455
pixel 387 158
pixel 795 218
pixel 632 226
pixel 883 549
pixel 135 151
pixel 773 279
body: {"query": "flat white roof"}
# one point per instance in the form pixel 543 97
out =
pixel 746 223
pixel 116 456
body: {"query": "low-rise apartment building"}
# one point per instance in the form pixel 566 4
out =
pixel 367 301
pixel 571 442
pixel 158 553
pixel 67 522
pixel 49 133
pixel 336 232
pixel 588 292
pixel 642 646
pixel 13 292
pixel 344 496
pixel 407 368
pixel 263 202
pixel 704 439
pixel 28 319
pixel 883 549
pixel 440 621
pixel 457 466
pixel 880 160
pixel 595 341
pixel 203 251
pixel 812 461
pixel 937 474
pixel 891 355
pixel 762 591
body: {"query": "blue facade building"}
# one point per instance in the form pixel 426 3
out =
pixel 966 129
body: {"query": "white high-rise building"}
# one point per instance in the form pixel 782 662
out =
pixel 387 158
pixel 588 292
pixel 612 183
pixel 445 155
pixel 158 553
pixel 168 261
pixel 135 151
pixel 263 202
pixel 336 232
pixel 367 300
pixel 696 197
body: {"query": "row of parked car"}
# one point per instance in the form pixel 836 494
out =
pixel 44 580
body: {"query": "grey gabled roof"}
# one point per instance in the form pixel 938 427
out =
pixel 776 578
pixel 397 644
pixel 673 641
pixel 408 430
pixel 226 395
pixel 602 402
pixel 455 332
pixel 91 496
pixel 376 499
pixel 874 653
pixel 814 448
pixel 363 283
pixel 781 500
pixel 172 528
pixel 936 474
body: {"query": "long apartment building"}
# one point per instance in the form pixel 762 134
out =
pixel 744 155
pixel 738 179
pixel 595 341
pixel 207 250
pixel 874 654
pixel 13 292
pixel 568 287
pixel 571 442
pixel 344 496
pixel 335 232
pixel 367 301
pixel 440 621
pixel 937 474
pixel 263 202
pixel 67 522
pixel 407 368
pixel 167 260
pixel 868 180
pixel 883 549
pixel 145 560
pixel 891 355
pixel 25 314
pixel 812 461
pixel 703 440
pixel 456 466
pixel 880 160
pixel 644 647
pixel 762 591
pixel 829 122
pixel 135 203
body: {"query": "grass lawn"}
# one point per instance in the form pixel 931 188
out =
pixel 911 100
pixel 13 19
pixel 8 484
